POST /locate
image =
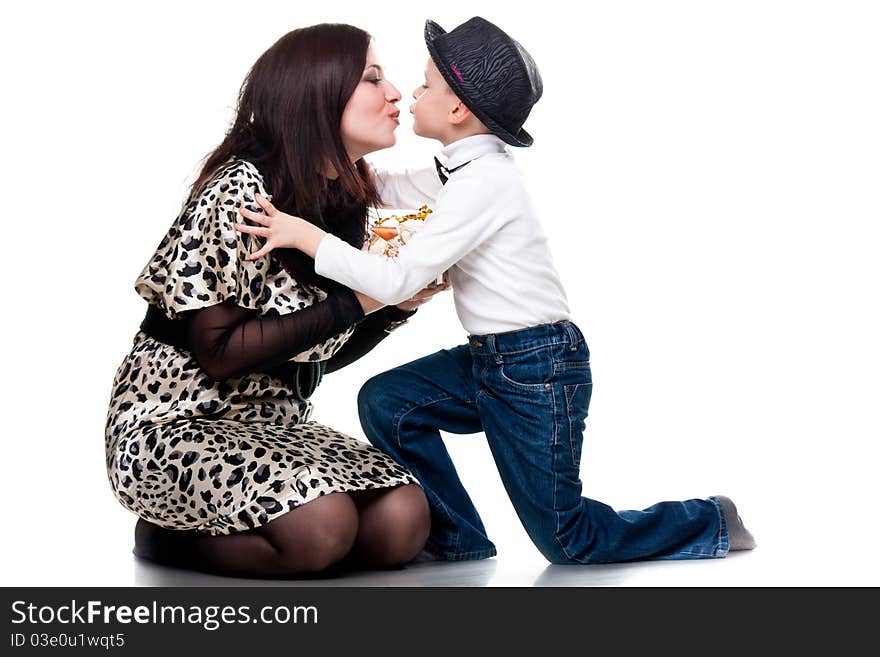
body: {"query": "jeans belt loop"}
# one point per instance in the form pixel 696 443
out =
pixel 492 345
pixel 572 335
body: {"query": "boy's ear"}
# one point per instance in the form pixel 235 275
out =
pixel 459 114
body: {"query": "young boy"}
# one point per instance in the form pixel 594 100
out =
pixel 524 376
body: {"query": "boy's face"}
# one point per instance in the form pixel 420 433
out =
pixel 434 100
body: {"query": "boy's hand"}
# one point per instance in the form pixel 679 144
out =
pixel 280 230
pixel 424 295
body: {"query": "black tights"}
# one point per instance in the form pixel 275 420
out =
pixel 380 528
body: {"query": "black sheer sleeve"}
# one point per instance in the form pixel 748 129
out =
pixel 370 332
pixel 228 340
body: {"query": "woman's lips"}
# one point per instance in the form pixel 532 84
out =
pixel 395 117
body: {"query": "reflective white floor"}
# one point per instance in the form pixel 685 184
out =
pixel 90 545
pixel 732 571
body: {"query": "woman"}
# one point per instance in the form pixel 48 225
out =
pixel 207 436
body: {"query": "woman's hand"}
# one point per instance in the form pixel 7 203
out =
pixel 280 230
pixel 368 304
pixel 424 295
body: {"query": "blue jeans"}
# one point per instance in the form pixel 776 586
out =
pixel 529 392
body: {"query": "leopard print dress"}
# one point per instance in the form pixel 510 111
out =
pixel 185 451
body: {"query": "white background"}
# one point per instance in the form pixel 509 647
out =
pixel 707 174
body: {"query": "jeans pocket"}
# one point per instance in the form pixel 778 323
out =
pixel 532 370
pixel 577 404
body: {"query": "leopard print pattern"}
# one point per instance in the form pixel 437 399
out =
pixel 201 261
pixel 185 451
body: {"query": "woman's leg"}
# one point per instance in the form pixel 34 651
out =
pixel 304 541
pixel 393 526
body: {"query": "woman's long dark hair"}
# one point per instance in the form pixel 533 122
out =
pixel 287 124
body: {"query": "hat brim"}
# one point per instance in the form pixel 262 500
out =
pixel 432 31
pixel 522 138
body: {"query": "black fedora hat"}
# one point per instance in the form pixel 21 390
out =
pixel 490 72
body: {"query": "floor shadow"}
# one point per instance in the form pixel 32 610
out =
pixel 440 573
pixel 663 572
pixel 606 574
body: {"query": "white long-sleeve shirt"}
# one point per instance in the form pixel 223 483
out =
pixel 483 230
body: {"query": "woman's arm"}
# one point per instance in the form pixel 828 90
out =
pixel 228 340
pixel 376 327
pixel 370 332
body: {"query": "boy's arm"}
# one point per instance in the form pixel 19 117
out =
pixel 466 219
pixel 408 189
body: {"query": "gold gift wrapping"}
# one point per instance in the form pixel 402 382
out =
pixel 407 226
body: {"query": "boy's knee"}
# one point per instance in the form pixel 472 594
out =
pixel 369 396
pixel 560 552
pixel 554 548
pixel 554 552
pixel 376 407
